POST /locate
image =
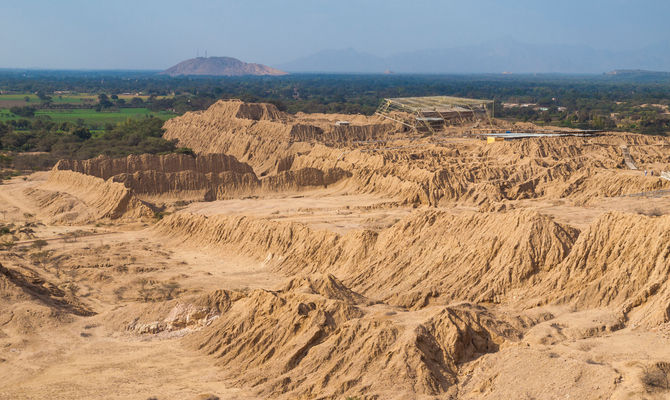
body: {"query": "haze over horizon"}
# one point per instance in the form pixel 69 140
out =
pixel 78 34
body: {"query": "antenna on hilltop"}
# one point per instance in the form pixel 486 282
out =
pixel 197 53
pixel 205 53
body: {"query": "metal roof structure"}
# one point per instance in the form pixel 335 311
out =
pixel 537 133
pixel 526 135
pixel 432 113
pixel 434 103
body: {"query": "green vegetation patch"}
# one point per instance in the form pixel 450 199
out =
pixel 48 141
pixel 75 99
pixel 91 117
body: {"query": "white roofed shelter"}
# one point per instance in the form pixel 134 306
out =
pixel 433 113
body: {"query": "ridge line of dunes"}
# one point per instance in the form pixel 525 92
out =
pixel 261 135
pixel 20 285
pixel 417 260
pixel 621 261
pixel 488 176
pixel 316 337
pixel 203 177
pixel 106 167
pixel 578 169
pixel 69 196
pixel 521 257
pixel 313 336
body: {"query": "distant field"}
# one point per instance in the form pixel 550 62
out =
pixel 19 99
pixel 92 117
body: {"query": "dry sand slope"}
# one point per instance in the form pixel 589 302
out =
pixel 292 258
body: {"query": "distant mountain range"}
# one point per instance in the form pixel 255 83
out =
pixel 637 72
pixel 220 66
pixel 491 57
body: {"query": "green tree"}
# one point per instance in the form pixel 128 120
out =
pixel 82 133
pixel 42 95
pixel 26 112
pixel 103 102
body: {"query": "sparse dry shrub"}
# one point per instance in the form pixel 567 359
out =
pixel 151 290
pixel 41 257
pixel 73 288
pixel 208 396
pixel 39 244
pixel 169 289
pixel 118 292
pixel 656 377
pixel 654 212
pixel 144 294
pixel 5 229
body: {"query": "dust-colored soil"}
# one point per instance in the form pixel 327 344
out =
pixel 293 258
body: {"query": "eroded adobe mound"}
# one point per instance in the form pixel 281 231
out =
pixel 422 170
pixel 473 256
pixel 171 175
pixel 621 261
pixel 106 167
pixel 296 343
pixel 28 301
pixel 203 177
pixel 70 197
pixel 261 135
pixel 578 170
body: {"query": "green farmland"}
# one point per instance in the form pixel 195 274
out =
pixel 31 99
pixel 76 99
pixel 92 117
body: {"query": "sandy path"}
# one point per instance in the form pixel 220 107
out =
pixel 320 209
pixel 65 365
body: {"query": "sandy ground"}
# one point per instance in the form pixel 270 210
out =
pixel 81 304
pixel 333 209
pixel 84 358
pixel 581 216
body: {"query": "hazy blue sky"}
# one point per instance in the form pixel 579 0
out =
pixel 153 34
